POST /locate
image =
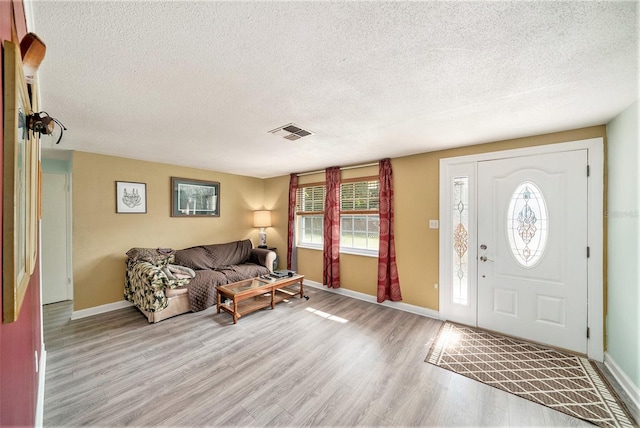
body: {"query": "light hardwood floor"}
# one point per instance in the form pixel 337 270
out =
pixel 328 361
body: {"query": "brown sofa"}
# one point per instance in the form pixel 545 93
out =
pixel 162 283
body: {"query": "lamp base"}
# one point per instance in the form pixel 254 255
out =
pixel 263 237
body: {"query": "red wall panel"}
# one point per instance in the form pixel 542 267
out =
pixel 19 341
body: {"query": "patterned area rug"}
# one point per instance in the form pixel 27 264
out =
pixel 563 382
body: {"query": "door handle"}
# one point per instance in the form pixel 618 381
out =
pixel 484 258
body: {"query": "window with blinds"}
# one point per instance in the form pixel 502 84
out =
pixel 359 218
pixel 310 212
pixel 310 199
pixel 360 196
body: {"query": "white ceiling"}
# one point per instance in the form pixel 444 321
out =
pixel 202 83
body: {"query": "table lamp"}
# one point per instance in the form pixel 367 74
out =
pixel 262 219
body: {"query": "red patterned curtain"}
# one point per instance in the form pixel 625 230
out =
pixel 331 255
pixel 388 282
pixel 293 189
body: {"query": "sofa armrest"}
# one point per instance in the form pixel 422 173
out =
pixel 151 275
pixel 263 257
pixel 145 284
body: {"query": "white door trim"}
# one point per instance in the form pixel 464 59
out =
pixel 595 149
pixel 68 231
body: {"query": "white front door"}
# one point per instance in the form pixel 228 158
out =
pixel 532 248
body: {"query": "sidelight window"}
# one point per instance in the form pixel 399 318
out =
pixel 460 221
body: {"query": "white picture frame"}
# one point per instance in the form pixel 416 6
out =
pixel 131 197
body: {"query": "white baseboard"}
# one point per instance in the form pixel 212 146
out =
pixel 418 310
pixel 42 369
pixel 625 382
pixel 372 299
pixel 83 313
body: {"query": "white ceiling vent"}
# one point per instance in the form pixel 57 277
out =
pixel 291 132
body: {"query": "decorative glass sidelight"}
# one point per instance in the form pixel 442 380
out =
pixel 460 216
pixel 527 224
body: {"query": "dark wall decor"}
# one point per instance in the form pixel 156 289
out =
pixel 194 198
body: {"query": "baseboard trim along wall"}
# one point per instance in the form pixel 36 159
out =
pixel 372 299
pixel 632 391
pixel 83 313
pixel 42 370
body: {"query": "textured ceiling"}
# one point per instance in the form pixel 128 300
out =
pixel 201 84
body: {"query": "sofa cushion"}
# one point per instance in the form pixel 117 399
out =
pixel 173 292
pixel 215 255
pixel 194 258
pixel 155 256
pixel 232 253
pixel 237 273
pixel 177 272
pixel 202 289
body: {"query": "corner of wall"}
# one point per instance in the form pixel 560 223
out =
pixel 623 251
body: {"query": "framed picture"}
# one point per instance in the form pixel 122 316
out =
pixel 33 201
pixel 194 198
pixel 131 198
pixel 19 222
pixel 35 184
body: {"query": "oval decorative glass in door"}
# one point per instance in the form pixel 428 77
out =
pixel 527 224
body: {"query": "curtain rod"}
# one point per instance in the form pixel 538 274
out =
pixel 341 168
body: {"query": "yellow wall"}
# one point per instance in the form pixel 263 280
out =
pixel 276 199
pixel 101 237
pixel 416 190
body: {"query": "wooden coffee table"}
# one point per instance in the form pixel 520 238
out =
pixel 253 294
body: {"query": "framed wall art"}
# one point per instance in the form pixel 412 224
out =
pixel 194 198
pixel 131 197
pixel 35 184
pixel 19 223
pixel 33 201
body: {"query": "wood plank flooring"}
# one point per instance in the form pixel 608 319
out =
pixel 328 361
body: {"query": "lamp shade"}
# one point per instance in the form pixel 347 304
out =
pixel 262 219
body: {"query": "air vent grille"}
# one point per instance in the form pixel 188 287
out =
pixel 291 132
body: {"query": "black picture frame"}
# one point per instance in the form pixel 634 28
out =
pixel 194 198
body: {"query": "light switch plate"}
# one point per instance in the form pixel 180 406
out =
pixel 433 224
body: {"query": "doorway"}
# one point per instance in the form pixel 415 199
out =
pixel 521 243
pixel 56 280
